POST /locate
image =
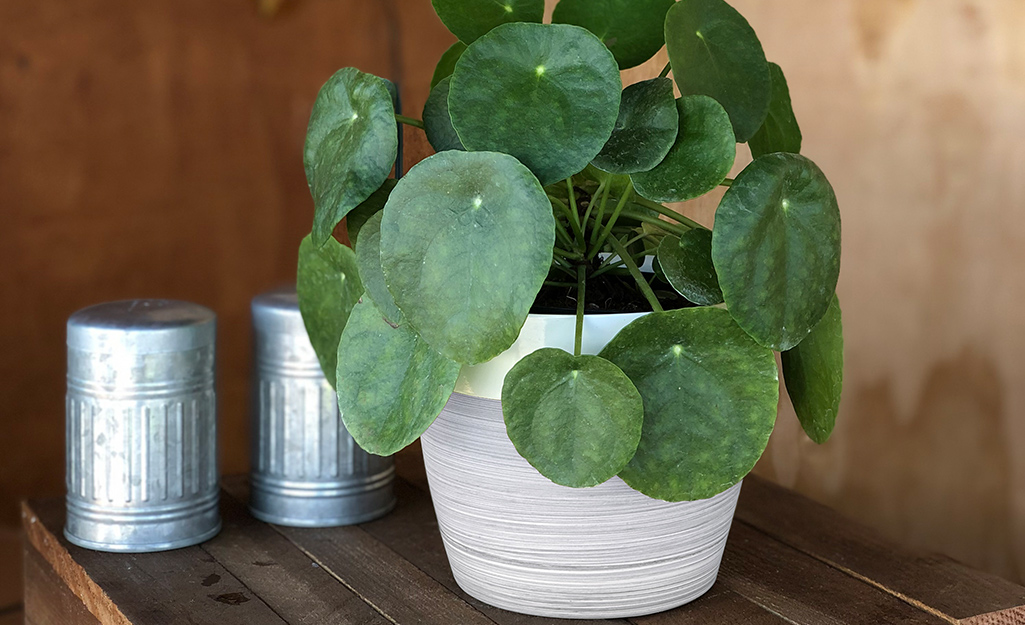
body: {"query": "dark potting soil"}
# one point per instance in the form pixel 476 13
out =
pixel 606 295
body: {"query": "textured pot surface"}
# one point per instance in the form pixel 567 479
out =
pixel 519 542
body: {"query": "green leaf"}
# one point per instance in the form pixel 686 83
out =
pixel 469 19
pixel 351 145
pixel 779 131
pixel 576 419
pixel 447 62
pixel 715 52
pixel 391 385
pixel 368 259
pixel 437 123
pixel 466 243
pixel 687 263
pixel 645 130
pixel 547 94
pixel 710 396
pixel 813 372
pixel 699 160
pixel 776 248
pixel 372 205
pixel 328 286
pixel 632 29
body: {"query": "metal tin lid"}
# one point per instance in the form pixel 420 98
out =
pixel 142 326
pixel 277 312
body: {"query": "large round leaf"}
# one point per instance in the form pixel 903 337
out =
pixel 699 160
pixel 779 131
pixel 632 29
pixel 687 265
pixel 776 248
pixel 469 19
pixel 813 372
pixel 547 94
pixel 368 259
pixel 576 419
pixel 391 385
pixel 466 243
pixel 437 123
pixel 328 286
pixel 715 52
pixel 447 62
pixel 372 205
pixel 351 145
pixel 645 130
pixel 710 396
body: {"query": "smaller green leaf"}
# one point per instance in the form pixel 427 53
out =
pixel 469 19
pixel 779 131
pixel 372 205
pixel 645 130
pixel 687 263
pixel 328 286
pixel 368 259
pixel 351 146
pixel 813 373
pixel 699 160
pixel 437 122
pixel 391 385
pixel 576 419
pixel 632 29
pixel 447 63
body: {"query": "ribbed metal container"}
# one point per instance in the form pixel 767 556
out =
pixel 307 469
pixel 141 426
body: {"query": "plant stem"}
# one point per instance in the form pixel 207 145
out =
pixel 581 288
pixel 668 212
pixel 591 203
pixel 631 266
pixel 612 220
pixel 601 213
pixel 411 121
pixel 560 284
pixel 563 234
pixel 574 223
pixel 727 182
pixel 665 70
pixel 676 229
pixel 571 194
pixel 564 254
pixel 607 268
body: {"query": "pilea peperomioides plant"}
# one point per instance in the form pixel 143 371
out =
pixel 549 184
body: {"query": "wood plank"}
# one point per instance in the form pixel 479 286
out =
pixel 718 605
pixel 283 576
pixel 48 600
pixel 13 617
pixel 936 583
pixel 377 574
pixel 801 589
pixel 167 587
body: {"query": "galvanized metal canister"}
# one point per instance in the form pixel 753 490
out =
pixel 307 469
pixel 141 426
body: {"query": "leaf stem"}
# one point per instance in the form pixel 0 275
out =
pixel 560 284
pixel 668 212
pixel 573 223
pixel 581 289
pixel 601 213
pixel 665 70
pixel 727 182
pixel 631 266
pixel 676 229
pixel 590 206
pixel 612 220
pixel 409 121
pixel 564 254
pixel 563 234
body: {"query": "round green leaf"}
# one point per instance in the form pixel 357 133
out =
pixel 351 145
pixel 576 419
pixel 632 29
pixel 391 385
pixel 547 94
pixel 447 62
pixel 469 19
pixel 368 259
pixel 699 160
pixel 645 130
pixel 328 286
pixel 466 243
pixel 715 52
pixel 776 248
pixel 710 396
pixel 437 123
pixel 813 372
pixel 687 264
pixel 373 204
pixel 779 131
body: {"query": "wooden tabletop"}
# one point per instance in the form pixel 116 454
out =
pixel 788 561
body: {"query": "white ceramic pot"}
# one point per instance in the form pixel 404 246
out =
pixel 519 542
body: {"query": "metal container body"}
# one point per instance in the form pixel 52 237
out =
pixel 307 469
pixel 141 439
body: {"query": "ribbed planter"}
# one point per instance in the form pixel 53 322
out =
pixel 519 542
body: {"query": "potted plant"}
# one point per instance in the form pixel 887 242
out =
pixel 589 461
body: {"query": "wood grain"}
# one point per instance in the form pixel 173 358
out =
pixel 48 598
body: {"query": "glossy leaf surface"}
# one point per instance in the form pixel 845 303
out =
pixel 632 29
pixel 368 259
pixel 373 204
pixel 645 130
pixel 469 19
pixel 779 131
pixel 813 372
pixel 437 123
pixel 687 265
pixel 447 62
